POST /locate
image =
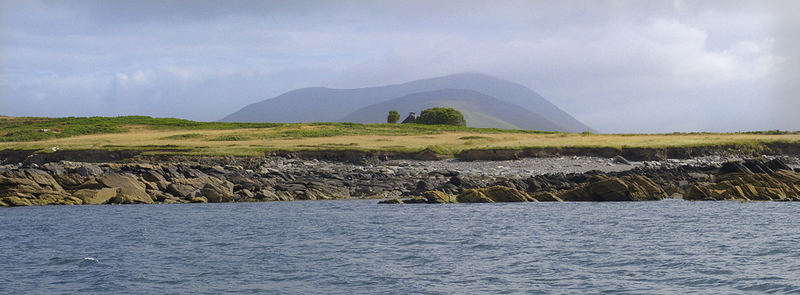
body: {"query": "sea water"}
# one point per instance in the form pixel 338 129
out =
pixel 361 247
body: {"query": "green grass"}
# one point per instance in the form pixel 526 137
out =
pixel 34 129
pixel 166 135
pixel 25 129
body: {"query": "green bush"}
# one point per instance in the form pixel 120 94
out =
pixel 394 116
pixel 441 116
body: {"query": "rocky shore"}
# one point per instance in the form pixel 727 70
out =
pixel 131 178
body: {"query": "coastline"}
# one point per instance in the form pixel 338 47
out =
pixel 566 174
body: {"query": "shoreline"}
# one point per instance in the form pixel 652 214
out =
pixel 126 177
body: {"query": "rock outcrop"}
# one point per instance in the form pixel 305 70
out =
pixel 615 189
pixel 165 179
pixel 750 181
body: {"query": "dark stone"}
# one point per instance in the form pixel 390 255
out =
pixel 621 160
pixel 778 164
pixel 89 170
pixel 734 167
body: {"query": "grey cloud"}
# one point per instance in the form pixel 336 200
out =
pixel 628 66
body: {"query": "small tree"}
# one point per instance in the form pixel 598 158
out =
pixel 444 116
pixel 394 116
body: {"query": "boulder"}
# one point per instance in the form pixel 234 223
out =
pixel 14 201
pixel 198 200
pixel 71 180
pixel 506 194
pixel 55 199
pixel 181 190
pixel 391 201
pixel 153 176
pixel 437 197
pixel 778 164
pixel 121 198
pixel 89 170
pixel 546 197
pixel 620 160
pixel 91 183
pixel 266 195
pixel 95 196
pixel 734 167
pixel 782 185
pixel 130 191
pixel 43 179
pixel 217 193
pixel 615 189
pixel 473 196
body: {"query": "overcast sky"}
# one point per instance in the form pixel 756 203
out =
pixel 618 66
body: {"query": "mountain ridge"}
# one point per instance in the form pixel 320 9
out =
pixel 316 104
pixel 479 110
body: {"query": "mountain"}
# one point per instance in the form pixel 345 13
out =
pixel 480 110
pixel 319 104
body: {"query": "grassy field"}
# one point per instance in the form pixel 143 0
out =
pixel 215 138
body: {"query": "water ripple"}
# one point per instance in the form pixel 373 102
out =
pixel 346 247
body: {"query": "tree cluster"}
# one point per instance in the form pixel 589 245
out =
pixel 434 116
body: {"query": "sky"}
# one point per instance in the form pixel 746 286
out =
pixel 618 66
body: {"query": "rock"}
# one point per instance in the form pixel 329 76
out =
pixel 615 189
pixel 91 183
pixel 181 190
pixel 284 196
pixel 506 194
pixel 391 201
pixel 130 191
pixel 14 201
pixel 217 193
pixel 546 197
pixel 757 166
pixel 71 180
pixel 128 199
pixel 246 194
pixel 266 195
pixel 642 188
pixel 153 176
pixel 437 197
pixel 43 179
pixel 783 185
pixel 778 164
pixel 55 199
pixel 620 160
pixel 733 167
pixel 198 200
pixel 89 170
pixel 473 196
pixel 415 200
pixel 95 196
pixel 422 186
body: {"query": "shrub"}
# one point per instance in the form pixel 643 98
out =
pixel 394 116
pixel 441 116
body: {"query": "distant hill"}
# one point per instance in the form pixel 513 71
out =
pixel 480 110
pixel 321 104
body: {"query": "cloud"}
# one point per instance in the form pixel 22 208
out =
pixel 632 66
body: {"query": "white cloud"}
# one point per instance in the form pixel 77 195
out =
pixel 596 60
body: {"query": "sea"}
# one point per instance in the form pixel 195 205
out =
pixel 361 247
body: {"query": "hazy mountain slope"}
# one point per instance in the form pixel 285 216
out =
pixel 480 110
pixel 326 104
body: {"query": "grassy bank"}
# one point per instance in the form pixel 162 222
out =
pixel 164 135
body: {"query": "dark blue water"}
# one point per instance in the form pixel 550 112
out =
pixel 358 247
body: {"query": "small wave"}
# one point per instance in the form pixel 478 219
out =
pixel 771 288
